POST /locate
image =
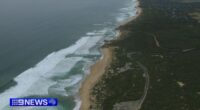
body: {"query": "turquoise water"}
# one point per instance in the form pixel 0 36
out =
pixel 47 46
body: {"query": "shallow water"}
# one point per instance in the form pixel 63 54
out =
pixel 47 46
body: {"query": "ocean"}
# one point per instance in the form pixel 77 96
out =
pixel 48 46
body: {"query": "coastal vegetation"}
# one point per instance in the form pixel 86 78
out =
pixel 155 63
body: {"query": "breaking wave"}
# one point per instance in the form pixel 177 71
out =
pixel 58 73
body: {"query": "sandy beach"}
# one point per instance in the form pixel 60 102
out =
pixel 173 61
pixel 98 69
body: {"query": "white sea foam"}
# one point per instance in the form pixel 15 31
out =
pixel 127 12
pixel 97 38
pixel 63 67
pixel 90 43
pixel 78 104
pixel 38 79
pixel 59 88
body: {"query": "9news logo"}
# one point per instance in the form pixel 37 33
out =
pixel 33 102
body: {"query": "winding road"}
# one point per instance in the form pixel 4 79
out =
pixel 146 87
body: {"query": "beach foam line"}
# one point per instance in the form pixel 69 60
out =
pixel 97 70
pixel 124 16
pixel 85 49
pixel 55 64
pixel 127 12
pixel 59 88
pixel 78 104
pixel 36 75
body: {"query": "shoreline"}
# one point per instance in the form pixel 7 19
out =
pixel 96 71
pixel 165 55
pixel 99 68
pixel 138 12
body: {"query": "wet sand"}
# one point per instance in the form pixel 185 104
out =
pixel 98 69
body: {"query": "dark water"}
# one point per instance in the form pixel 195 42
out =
pixel 31 29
